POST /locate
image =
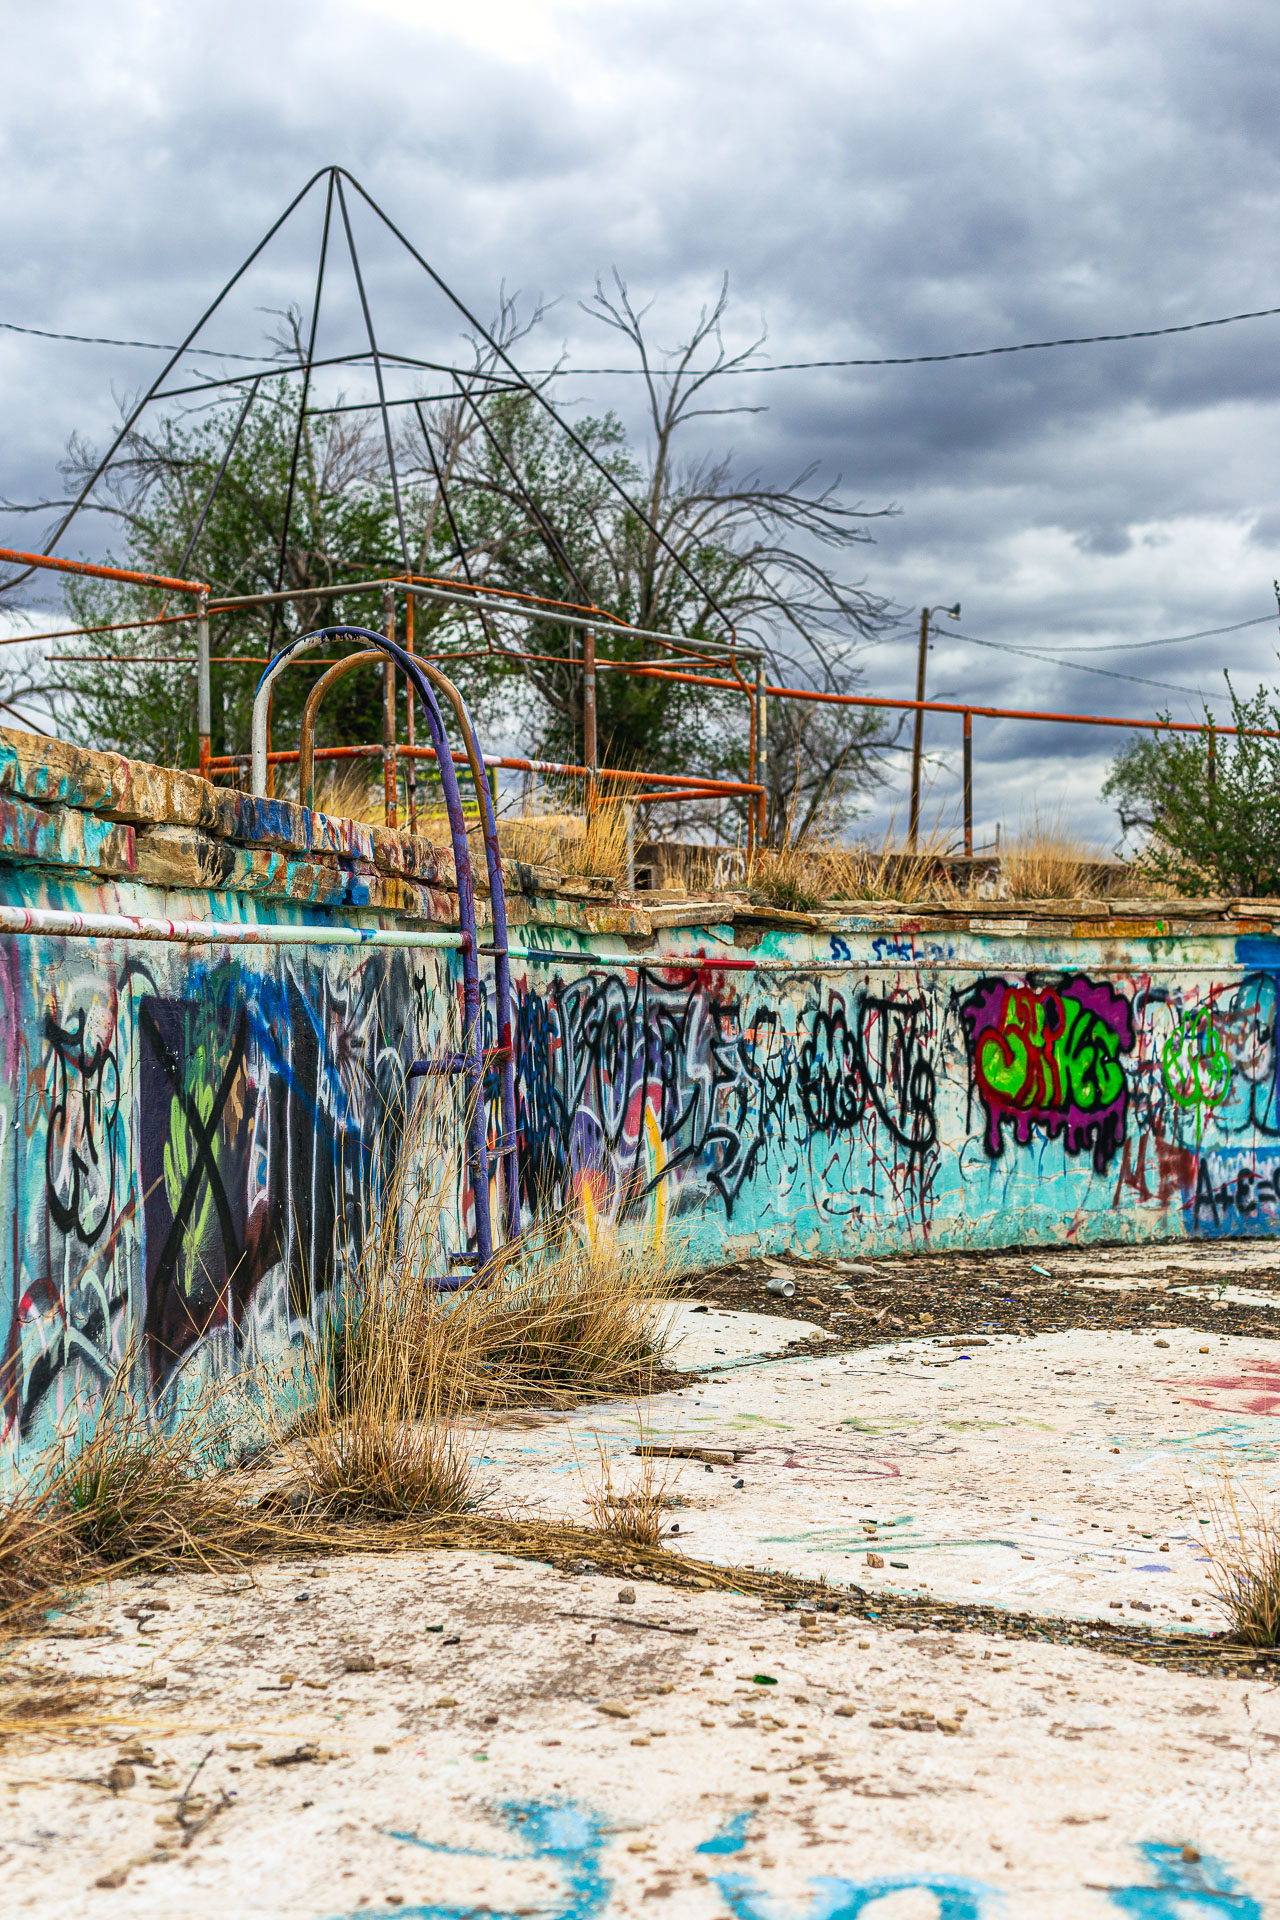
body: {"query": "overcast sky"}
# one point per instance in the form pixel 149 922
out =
pixel 877 177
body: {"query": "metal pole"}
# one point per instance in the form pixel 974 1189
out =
pixel 204 690
pixel 96 572
pixel 410 772
pixel 913 826
pixel 589 714
pixel 215 933
pixel 753 749
pixel 968 784
pixel 530 607
pixel 389 806
pixel 762 756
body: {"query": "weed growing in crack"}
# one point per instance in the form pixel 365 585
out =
pixel 632 1517
pixel 1244 1560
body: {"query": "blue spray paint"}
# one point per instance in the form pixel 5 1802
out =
pixel 571 1836
pixel 958 1898
pixel 730 1839
pixel 1184 1889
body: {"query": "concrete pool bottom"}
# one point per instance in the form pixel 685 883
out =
pixel 450 1734
pixel 1064 1474
pixel 446 1733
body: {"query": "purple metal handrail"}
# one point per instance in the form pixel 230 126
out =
pixel 472 1035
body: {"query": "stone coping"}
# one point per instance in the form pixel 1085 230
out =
pixel 69 809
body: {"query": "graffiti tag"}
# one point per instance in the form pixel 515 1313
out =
pixel 1049 1057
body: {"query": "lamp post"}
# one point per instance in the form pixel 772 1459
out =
pixel 917 742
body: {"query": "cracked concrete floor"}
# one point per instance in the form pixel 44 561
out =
pixel 1064 1473
pixel 449 1733
pixel 453 1734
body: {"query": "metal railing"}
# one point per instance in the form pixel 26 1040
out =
pixel 471 1063
pixel 590 621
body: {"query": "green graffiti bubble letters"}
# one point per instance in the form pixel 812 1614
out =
pixel 1197 1072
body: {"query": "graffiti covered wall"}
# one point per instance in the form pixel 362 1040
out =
pixel 857 1092
pixel 195 1141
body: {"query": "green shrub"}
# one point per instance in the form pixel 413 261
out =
pixel 1210 803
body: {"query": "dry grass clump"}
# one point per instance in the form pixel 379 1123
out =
pixel 1043 861
pixel 601 850
pixel 384 1436
pixel 590 843
pixel 130 1498
pixel 33 1558
pixel 1047 861
pixel 384 1439
pixel 348 790
pixel 395 1395
pixel 633 1518
pixel 889 872
pixel 1244 1561
pixel 803 875
pixel 794 879
pixel 565 1320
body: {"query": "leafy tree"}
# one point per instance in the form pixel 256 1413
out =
pixel 715 551
pixel 494 492
pixel 342 522
pixel 1209 804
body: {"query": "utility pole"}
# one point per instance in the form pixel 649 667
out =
pixel 917 740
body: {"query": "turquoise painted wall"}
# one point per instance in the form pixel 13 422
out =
pixel 193 1141
pixel 865 1092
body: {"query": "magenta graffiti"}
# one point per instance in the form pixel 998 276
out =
pixel 1049 1057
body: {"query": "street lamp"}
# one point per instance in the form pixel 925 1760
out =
pixel 952 613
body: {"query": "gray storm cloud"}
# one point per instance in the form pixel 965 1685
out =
pixel 876 179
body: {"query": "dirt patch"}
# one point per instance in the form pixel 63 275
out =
pixel 936 1295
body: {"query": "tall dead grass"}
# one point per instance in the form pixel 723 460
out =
pixel 1243 1546
pixel 805 874
pixel 1043 861
pixel 384 1437
pixel 582 842
pixel 348 790
pixel 399 1394
pixel 567 1319
pixel 1046 860
pixel 131 1497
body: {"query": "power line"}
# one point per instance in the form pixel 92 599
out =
pixel 986 353
pixel 1174 639
pixel 773 366
pixel 1047 660
pixel 103 340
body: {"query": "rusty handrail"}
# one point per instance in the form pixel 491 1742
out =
pixel 96 572
pixel 307 730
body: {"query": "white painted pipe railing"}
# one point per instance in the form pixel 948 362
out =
pixel 261 703
pixel 214 933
